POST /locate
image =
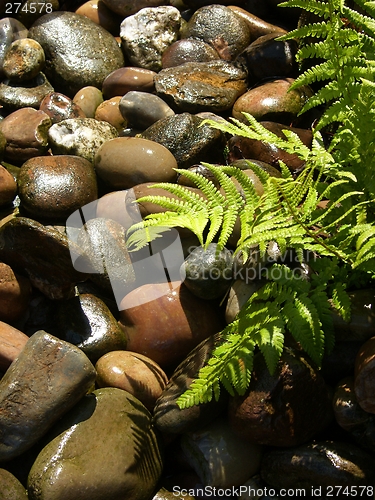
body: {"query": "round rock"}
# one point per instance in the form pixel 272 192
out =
pixel 8 187
pixel 123 80
pixel 80 136
pixel 31 93
pixel 126 161
pixel 109 111
pixel 188 50
pixel 15 293
pixel 23 60
pixel 53 187
pixel 10 30
pixel 142 109
pixel 60 107
pixel 11 488
pixel 78 51
pixel 88 99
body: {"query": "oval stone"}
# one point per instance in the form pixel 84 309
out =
pixel 78 51
pixel 8 187
pixel 23 60
pixel 60 107
pixel 188 50
pixel 11 488
pixel 10 30
pixel 99 13
pixel 53 187
pixel 126 161
pixel 109 111
pixel 142 109
pixel 105 446
pixel 123 80
pixel 257 26
pixel 12 341
pixel 15 294
pixel 88 99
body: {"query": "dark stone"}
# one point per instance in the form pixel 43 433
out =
pixel 10 30
pixel 60 107
pixel 24 94
pixel 11 488
pixel 188 50
pixel 142 109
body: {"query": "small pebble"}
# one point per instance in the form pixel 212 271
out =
pixel 60 107
pixel 99 13
pixel 142 109
pixel 8 187
pixel 188 50
pixel 15 294
pixel 23 60
pixel 109 111
pixel 88 99
pixel 123 80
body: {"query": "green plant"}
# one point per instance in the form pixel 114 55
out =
pixel 327 210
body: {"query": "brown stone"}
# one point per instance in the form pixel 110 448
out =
pixel 48 378
pixel 99 13
pixel 11 488
pixel 258 27
pixel 15 293
pixel 60 107
pixel 88 99
pixel 8 187
pixel 109 111
pixel 364 385
pixel 122 80
pixel 12 341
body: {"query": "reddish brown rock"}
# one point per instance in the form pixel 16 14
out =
pixel 60 107
pixel 26 132
pixel 88 99
pixel 15 292
pixel 122 80
pixel 168 327
pixel 12 341
pixel 99 13
pixel 257 26
pixel 8 187
pixel 364 385
pixel 109 111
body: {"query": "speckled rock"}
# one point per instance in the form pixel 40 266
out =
pixel 78 51
pixel 221 28
pixel 47 379
pixel 8 187
pixel 219 457
pixel 146 35
pixel 27 94
pixel 103 243
pixel 11 488
pixel 323 464
pixel 134 373
pixel 10 30
pixel 142 109
pixel 52 187
pixel 23 60
pixel 202 86
pixel 88 99
pixel 15 294
pixel 80 136
pixel 60 107
pixel 126 161
pixel 109 111
pixel 87 322
pixel 130 7
pixel 26 133
pixel 99 13
pixel 272 101
pixel 42 253
pixel 115 449
pixel 123 80
pixel 168 416
pixel 188 50
pixel 12 341
pixel 166 338
pixel 208 271
pixel 284 409
pixel 188 141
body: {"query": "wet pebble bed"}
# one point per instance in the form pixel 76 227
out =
pixel 99 100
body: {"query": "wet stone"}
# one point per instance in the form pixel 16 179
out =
pixel 15 294
pixel 87 322
pixel 134 373
pixel 80 136
pixel 146 35
pixel 10 30
pixel 24 94
pixel 188 141
pixel 221 28
pixel 188 50
pixel 208 271
pixel 88 99
pixel 11 488
pixel 142 109
pixel 115 452
pixel 257 26
pixel 272 101
pixel 23 60
pixel 12 341
pixel 126 161
pixel 284 409
pixel 123 80
pixel 203 86
pixel 78 52
pixel 8 187
pixel 130 7
pixel 324 463
pixel 168 417
pixel 60 107
pixel 47 379
pixel 52 187
pixel 42 253
pixel 99 13
pixel 26 133
pixel 109 111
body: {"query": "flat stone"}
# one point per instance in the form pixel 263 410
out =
pixel 47 379
pixel 52 187
pixel 23 60
pixel 12 341
pixel 25 94
pixel 203 86
pixel 78 51
pixel 80 136
pixel 42 253
pixel 105 446
pixel 147 34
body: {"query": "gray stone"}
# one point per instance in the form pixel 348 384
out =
pixel 188 141
pixel 104 448
pixel 80 136
pixel 47 379
pixel 79 53
pixel 147 34
pixel 15 96
pixel 203 86
pixel 142 109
